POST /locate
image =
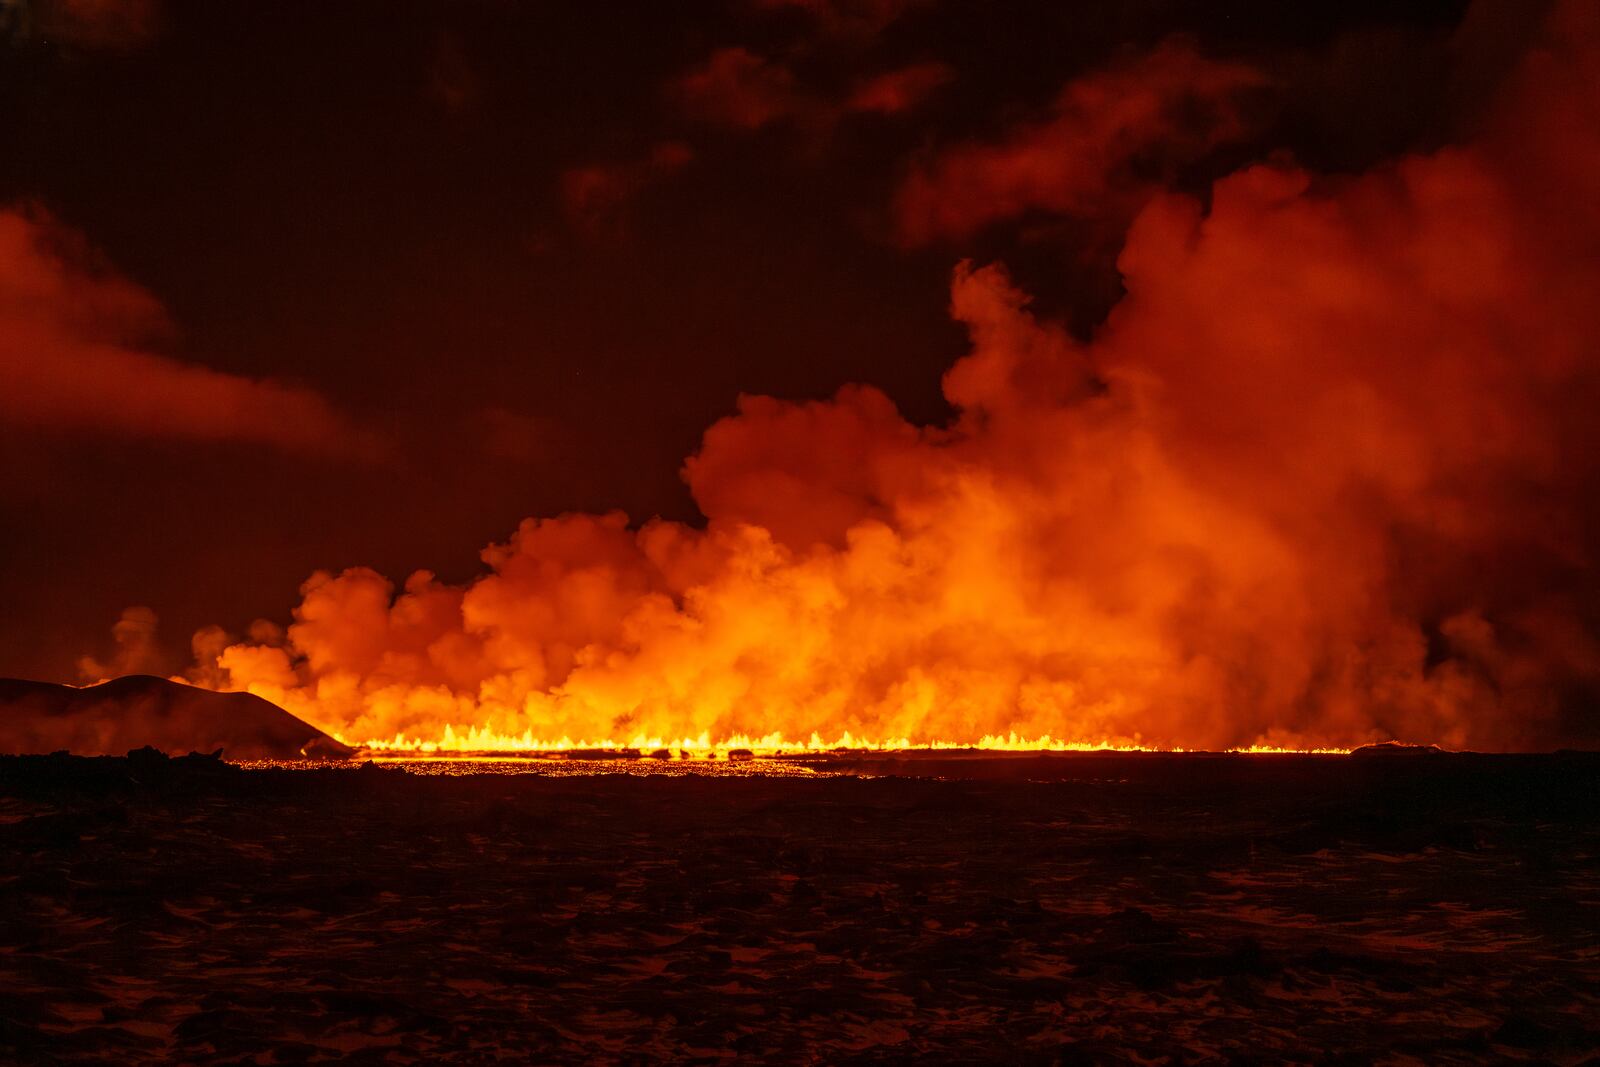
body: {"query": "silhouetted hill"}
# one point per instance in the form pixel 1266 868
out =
pixel 128 713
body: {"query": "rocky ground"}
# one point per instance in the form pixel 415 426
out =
pixel 1098 910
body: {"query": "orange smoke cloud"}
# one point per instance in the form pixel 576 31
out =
pixel 735 87
pixel 1110 136
pixel 900 90
pixel 739 89
pixel 137 649
pixel 75 348
pixel 596 197
pixel 1323 477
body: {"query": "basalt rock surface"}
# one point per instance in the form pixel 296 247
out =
pixel 1156 910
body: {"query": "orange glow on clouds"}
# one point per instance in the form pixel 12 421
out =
pixel 79 351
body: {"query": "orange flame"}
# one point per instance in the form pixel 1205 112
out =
pixel 472 739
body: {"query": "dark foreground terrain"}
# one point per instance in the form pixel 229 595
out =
pixel 1129 909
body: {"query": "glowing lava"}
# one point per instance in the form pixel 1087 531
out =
pixel 471 739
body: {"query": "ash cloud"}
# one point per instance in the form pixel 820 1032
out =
pixel 137 649
pixel 1324 477
pixel 1108 142
pixel 79 346
pixel 740 90
pixel 597 198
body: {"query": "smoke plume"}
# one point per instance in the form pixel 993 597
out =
pixel 79 349
pixel 1109 139
pixel 1324 476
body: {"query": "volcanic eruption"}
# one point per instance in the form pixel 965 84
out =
pixel 1141 608
pixel 1325 476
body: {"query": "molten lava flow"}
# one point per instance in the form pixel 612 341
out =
pixel 1324 477
pixel 472 739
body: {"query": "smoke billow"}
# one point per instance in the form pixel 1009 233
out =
pixel 1108 140
pixel 80 352
pixel 138 651
pixel 1324 476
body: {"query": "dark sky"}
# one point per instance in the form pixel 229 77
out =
pixel 527 262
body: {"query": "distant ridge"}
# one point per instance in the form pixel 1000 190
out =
pixel 139 710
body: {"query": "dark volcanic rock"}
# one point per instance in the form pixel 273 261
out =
pixel 186 910
pixel 136 711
